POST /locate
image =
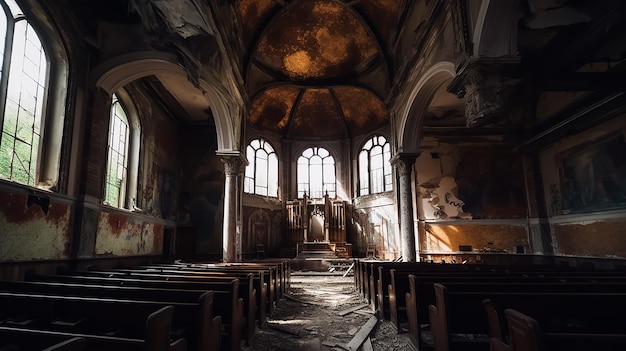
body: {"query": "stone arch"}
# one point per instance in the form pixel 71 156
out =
pixel 116 72
pixel 495 32
pixel 412 113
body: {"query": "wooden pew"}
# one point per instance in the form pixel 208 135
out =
pixel 203 327
pixel 9 342
pixel 422 294
pixel 398 285
pixel 246 287
pixel 462 313
pixel 265 300
pixel 525 334
pixel 157 327
pixel 226 300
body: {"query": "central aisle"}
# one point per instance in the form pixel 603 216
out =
pixel 308 318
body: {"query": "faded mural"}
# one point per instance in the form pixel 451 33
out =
pixel 592 177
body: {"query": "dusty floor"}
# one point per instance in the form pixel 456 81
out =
pixel 308 318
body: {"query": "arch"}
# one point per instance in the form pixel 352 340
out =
pixel 123 69
pixel 413 111
pixel 495 32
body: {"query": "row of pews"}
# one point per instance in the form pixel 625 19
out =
pixel 498 307
pixel 170 306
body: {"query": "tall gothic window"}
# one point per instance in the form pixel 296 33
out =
pixel 117 160
pixel 262 170
pixel 122 153
pixel 374 167
pixel 25 84
pixel 316 173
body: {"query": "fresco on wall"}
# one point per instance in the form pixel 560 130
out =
pixel 593 176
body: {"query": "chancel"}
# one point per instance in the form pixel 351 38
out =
pixel 137 132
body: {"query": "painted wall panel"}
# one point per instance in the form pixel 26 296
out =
pixel 33 228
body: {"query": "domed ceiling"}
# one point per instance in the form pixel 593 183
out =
pixel 316 68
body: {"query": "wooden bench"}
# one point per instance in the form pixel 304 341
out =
pixel 211 282
pixel 204 328
pixel 157 327
pixel 265 300
pixel 461 313
pixel 422 293
pixel 226 301
pixel 23 341
pixel 394 296
pixel 525 334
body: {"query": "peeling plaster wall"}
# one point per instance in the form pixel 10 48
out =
pixel 32 229
pixel 121 235
pixel 488 178
pixel 469 194
pixel 158 178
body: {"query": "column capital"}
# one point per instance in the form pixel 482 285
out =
pixel 404 161
pixel 234 165
pixel 483 83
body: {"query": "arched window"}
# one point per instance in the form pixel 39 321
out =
pixel 374 167
pixel 122 155
pixel 316 173
pixel 27 84
pixel 262 169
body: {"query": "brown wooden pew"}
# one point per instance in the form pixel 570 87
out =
pixel 421 294
pixel 156 333
pixel 265 301
pixel 246 288
pixel 462 313
pixel 21 341
pixel 525 334
pixel 199 323
pixel 393 297
pixel 226 300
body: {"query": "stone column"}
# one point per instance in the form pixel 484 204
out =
pixel 234 167
pixel 404 165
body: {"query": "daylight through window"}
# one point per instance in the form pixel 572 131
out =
pixel 316 173
pixel 24 74
pixel 374 167
pixel 262 170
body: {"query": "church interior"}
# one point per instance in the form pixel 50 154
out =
pixel 138 131
pixel 414 129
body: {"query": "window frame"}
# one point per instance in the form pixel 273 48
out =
pixel 328 186
pixel 47 166
pixel 368 183
pixel 129 199
pixel 251 175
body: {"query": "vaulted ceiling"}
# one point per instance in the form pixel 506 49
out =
pixel 317 69
pixel 327 69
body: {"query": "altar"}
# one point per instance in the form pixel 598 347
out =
pixel 317 225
